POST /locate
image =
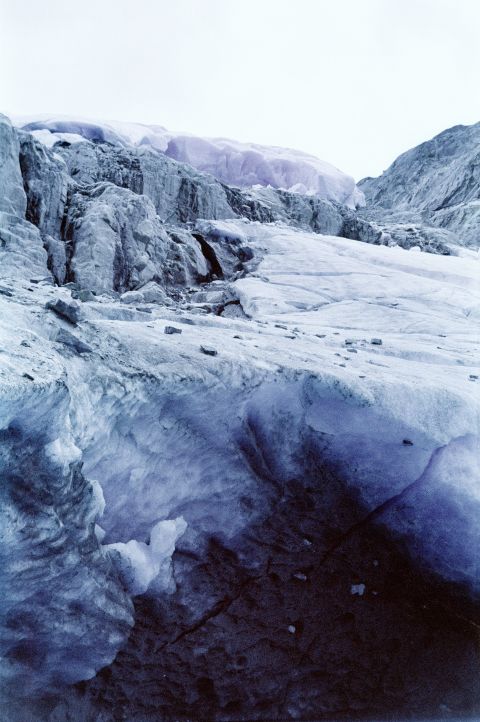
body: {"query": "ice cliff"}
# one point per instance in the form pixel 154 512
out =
pixel 239 451
pixel 238 164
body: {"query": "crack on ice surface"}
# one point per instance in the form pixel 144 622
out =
pixel 219 608
pixel 374 515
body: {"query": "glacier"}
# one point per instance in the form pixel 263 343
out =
pixel 273 511
pixel 238 164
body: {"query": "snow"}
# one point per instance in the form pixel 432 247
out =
pixel 49 139
pixel 233 162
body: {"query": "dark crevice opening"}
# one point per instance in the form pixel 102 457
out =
pixel 210 256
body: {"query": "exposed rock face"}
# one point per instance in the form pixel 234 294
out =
pixel 438 180
pixel 118 243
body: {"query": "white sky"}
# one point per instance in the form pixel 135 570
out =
pixel 355 82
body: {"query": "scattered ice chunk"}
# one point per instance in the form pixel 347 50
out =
pixel 140 564
pixel 63 451
pixel 67 310
pixel 300 576
pixel 99 533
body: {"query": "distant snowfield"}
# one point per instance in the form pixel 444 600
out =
pixel 235 163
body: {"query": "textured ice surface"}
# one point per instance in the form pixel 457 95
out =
pixel 319 387
pixel 235 163
pixel 157 422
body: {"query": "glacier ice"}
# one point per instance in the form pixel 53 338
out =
pixel 184 520
pixel 141 564
pixel 238 164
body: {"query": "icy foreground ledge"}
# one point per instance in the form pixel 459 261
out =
pixel 238 164
pixel 354 356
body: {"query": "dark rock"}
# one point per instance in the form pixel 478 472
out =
pixel 72 341
pixel 376 341
pixel 83 295
pixel 68 311
pixel 172 330
pixel 208 350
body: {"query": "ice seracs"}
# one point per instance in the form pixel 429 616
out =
pixel 235 163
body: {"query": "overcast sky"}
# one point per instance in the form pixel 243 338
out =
pixel 355 82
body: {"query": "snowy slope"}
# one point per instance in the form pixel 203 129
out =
pixel 235 163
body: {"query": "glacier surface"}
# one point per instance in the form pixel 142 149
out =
pixel 184 510
pixel 235 163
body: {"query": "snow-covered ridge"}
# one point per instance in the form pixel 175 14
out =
pixel 239 164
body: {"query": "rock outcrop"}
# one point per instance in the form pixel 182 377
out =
pixel 437 184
